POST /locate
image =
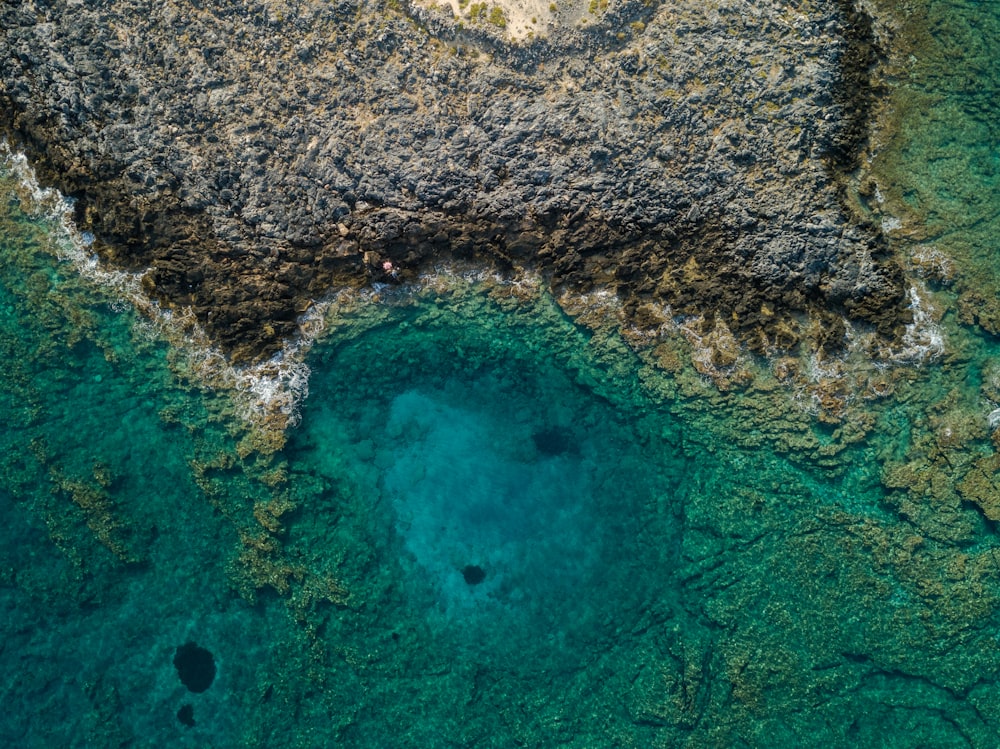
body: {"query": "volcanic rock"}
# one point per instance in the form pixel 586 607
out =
pixel 254 156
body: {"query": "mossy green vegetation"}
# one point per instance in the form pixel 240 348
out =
pixel 497 17
pixel 477 11
pixel 484 13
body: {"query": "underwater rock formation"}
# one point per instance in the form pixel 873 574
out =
pixel 256 157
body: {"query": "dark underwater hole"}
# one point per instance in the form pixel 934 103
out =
pixel 186 715
pixel 473 574
pixel 195 666
pixel 553 441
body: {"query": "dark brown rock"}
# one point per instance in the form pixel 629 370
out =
pixel 254 160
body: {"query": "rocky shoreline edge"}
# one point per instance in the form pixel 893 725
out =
pixel 250 160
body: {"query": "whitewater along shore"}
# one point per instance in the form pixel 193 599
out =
pixel 257 156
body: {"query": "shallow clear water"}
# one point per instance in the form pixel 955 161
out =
pixel 939 166
pixel 493 527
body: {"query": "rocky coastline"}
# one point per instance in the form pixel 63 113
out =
pixel 256 157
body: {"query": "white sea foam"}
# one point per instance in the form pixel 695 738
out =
pixel 829 368
pixel 891 224
pixel 930 262
pixel 923 339
pixel 271 392
pixel 261 392
pixel 993 419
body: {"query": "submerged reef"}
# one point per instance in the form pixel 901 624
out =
pixel 255 157
pixel 660 562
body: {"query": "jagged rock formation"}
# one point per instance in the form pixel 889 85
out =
pixel 256 155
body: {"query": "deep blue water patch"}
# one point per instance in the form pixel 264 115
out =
pixel 186 715
pixel 473 574
pixel 508 498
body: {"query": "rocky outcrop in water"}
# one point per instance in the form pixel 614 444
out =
pixel 256 156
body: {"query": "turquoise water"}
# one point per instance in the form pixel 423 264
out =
pixel 939 162
pixel 495 527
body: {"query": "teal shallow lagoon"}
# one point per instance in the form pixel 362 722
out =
pixel 663 564
pixel 496 457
